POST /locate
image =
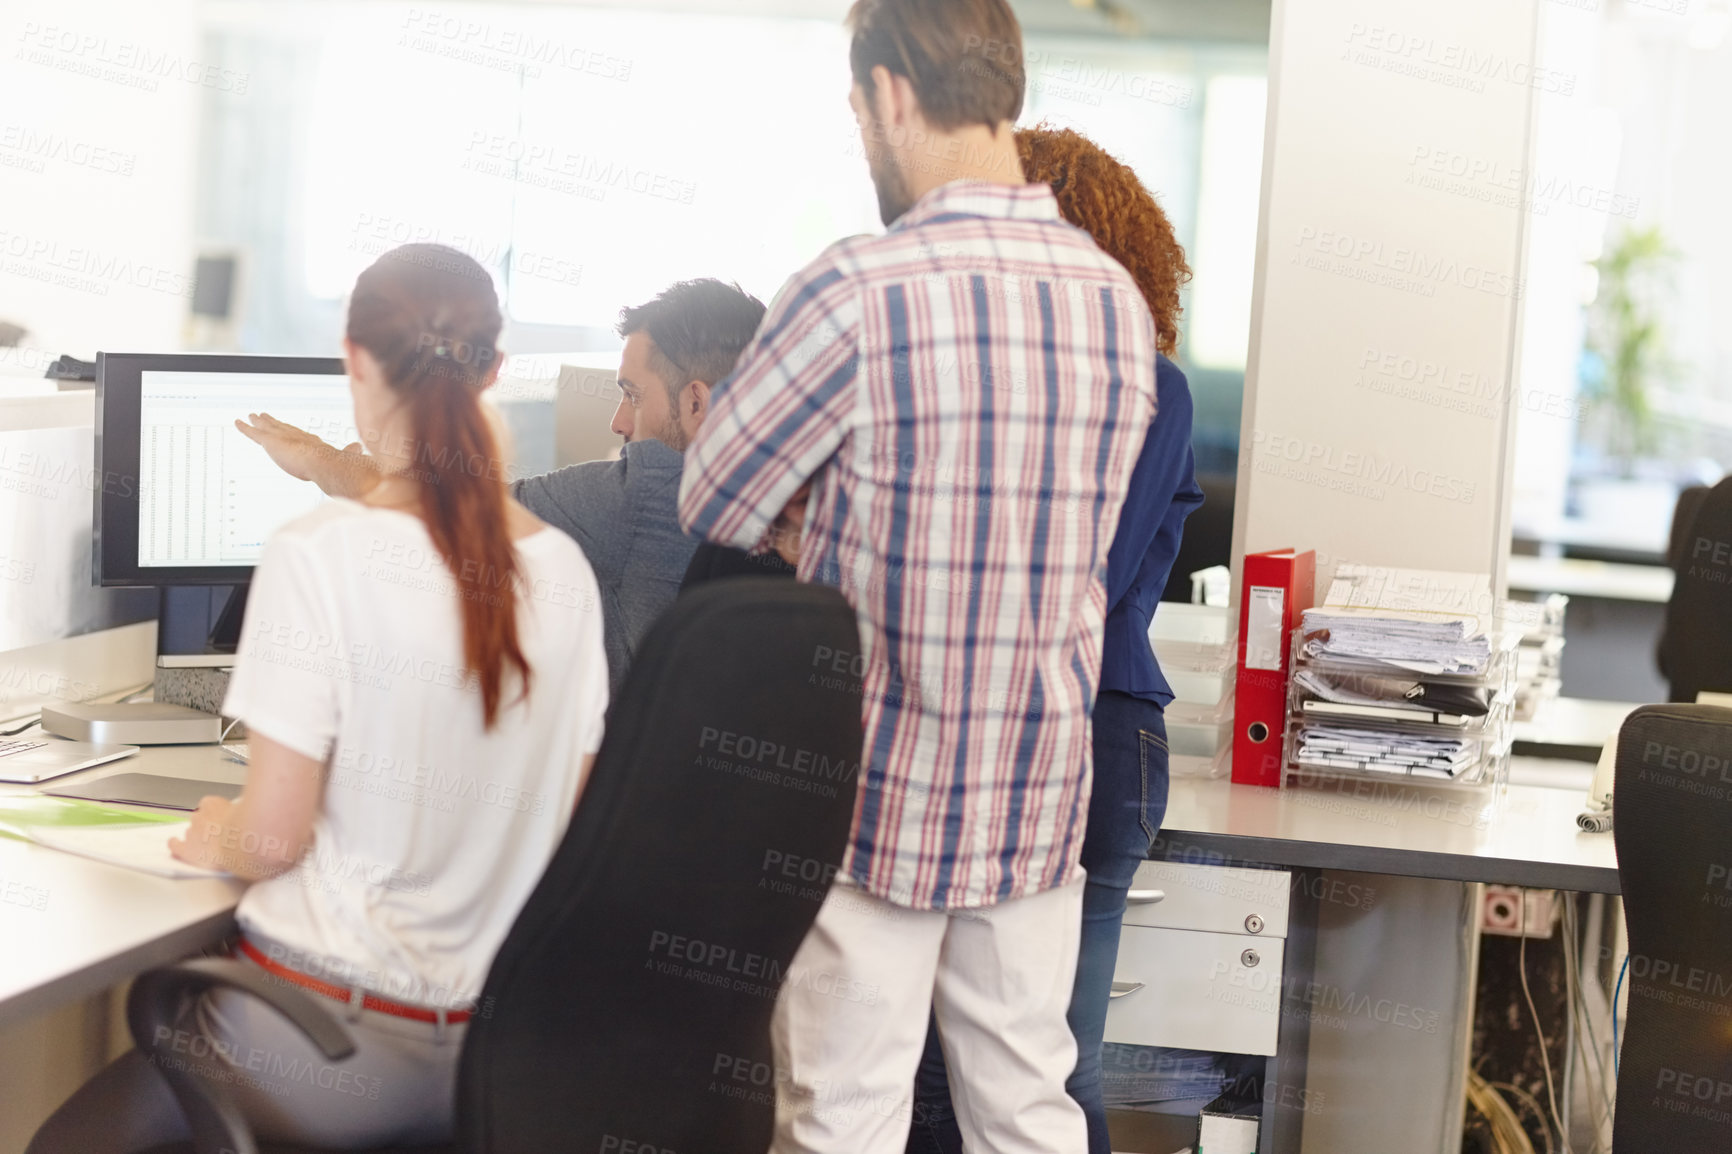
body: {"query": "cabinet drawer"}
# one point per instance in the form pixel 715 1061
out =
pixel 1196 991
pixel 1219 899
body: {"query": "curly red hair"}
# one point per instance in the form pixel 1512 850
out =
pixel 1103 197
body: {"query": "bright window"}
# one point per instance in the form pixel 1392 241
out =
pixel 586 157
pixel 1230 187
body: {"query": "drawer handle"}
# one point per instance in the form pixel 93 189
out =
pixel 1144 897
pixel 1120 989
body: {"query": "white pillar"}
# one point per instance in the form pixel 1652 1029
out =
pixel 1378 428
pixel 1377 423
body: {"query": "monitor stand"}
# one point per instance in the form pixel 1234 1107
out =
pixel 200 622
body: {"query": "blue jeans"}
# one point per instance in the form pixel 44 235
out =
pixel 1129 800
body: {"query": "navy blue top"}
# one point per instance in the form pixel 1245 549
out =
pixel 1163 493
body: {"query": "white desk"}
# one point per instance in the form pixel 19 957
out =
pixel 1528 837
pixel 99 924
pixel 1571 727
pixel 1604 579
pixel 1627 535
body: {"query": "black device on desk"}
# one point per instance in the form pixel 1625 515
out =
pixel 184 501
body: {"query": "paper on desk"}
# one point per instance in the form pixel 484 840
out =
pixel 123 837
pixel 1417 644
pixel 136 847
pixel 24 812
pixel 1423 591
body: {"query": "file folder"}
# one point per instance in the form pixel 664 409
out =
pixel 1277 586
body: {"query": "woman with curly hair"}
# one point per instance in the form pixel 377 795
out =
pixel 1104 198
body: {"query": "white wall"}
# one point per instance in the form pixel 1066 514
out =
pixel 99 104
pixel 1377 393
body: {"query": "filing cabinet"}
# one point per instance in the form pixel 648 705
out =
pixel 1219 899
pixel 1197 991
pixel 1201 959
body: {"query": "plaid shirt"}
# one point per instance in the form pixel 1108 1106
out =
pixel 970 390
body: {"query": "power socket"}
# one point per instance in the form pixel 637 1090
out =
pixel 1503 913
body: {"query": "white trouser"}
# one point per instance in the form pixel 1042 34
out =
pixel 850 1024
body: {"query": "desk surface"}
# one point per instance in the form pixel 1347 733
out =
pixel 1604 579
pixel 72 927
pixel 1528 837
pixel 1571 727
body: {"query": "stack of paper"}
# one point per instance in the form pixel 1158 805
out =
pixel 1422 755
pixel 1394 674
pixel 130 838
pixel 1429 591
pixel 1379 695
pixel 1414 642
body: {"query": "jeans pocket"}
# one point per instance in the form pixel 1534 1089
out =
pixel 1149 747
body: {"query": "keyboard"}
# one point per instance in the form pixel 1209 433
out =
pixel 9 746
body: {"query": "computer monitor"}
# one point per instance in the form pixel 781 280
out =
pixel 183 497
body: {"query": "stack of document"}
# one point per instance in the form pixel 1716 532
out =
pixel 1398 672
pixel 1380 751
pixel 1413 642
pixel 134 839
pixel 1388 698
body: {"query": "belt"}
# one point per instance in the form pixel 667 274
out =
pixel 347 996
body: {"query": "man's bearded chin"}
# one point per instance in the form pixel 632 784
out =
pixel 887 179
pixel 672 435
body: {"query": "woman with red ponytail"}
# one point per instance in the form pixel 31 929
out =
pixel 422 678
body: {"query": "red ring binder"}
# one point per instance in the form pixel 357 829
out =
pixel 1276 587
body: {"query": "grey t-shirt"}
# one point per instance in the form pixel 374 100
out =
pixel 624 516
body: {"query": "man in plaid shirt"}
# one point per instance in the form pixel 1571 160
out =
pixel 966 396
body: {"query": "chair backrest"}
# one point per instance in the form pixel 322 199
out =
pixel 1696 643
pixel 1683 513
pixel 629 1007
pixel 1208 536
pixel 1673 826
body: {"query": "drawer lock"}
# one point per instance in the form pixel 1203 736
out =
pixel 1253 924
pixel 1250 958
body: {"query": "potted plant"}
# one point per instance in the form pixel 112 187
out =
pixel 1624 362
pixel 1626 354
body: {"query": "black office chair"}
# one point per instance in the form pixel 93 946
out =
pixel 592 1028
pixel 1683 513
pixel 1673 803
pixel 1696 641
pixel 1208 537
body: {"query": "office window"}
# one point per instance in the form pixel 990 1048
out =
pixel 693 169
pixel 389 161
pixel 590 155
pixel 586 157
pixel 1224 257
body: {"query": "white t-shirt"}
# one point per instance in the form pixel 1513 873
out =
pixel 432 831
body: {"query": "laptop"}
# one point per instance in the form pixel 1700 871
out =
pixel 32 759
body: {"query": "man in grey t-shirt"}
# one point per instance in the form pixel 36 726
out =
pixel 622 513
pixel 677 347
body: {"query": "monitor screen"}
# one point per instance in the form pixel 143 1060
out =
pixel 183 496
pixel 206 494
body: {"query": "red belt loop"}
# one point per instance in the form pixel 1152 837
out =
pixel 341 994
